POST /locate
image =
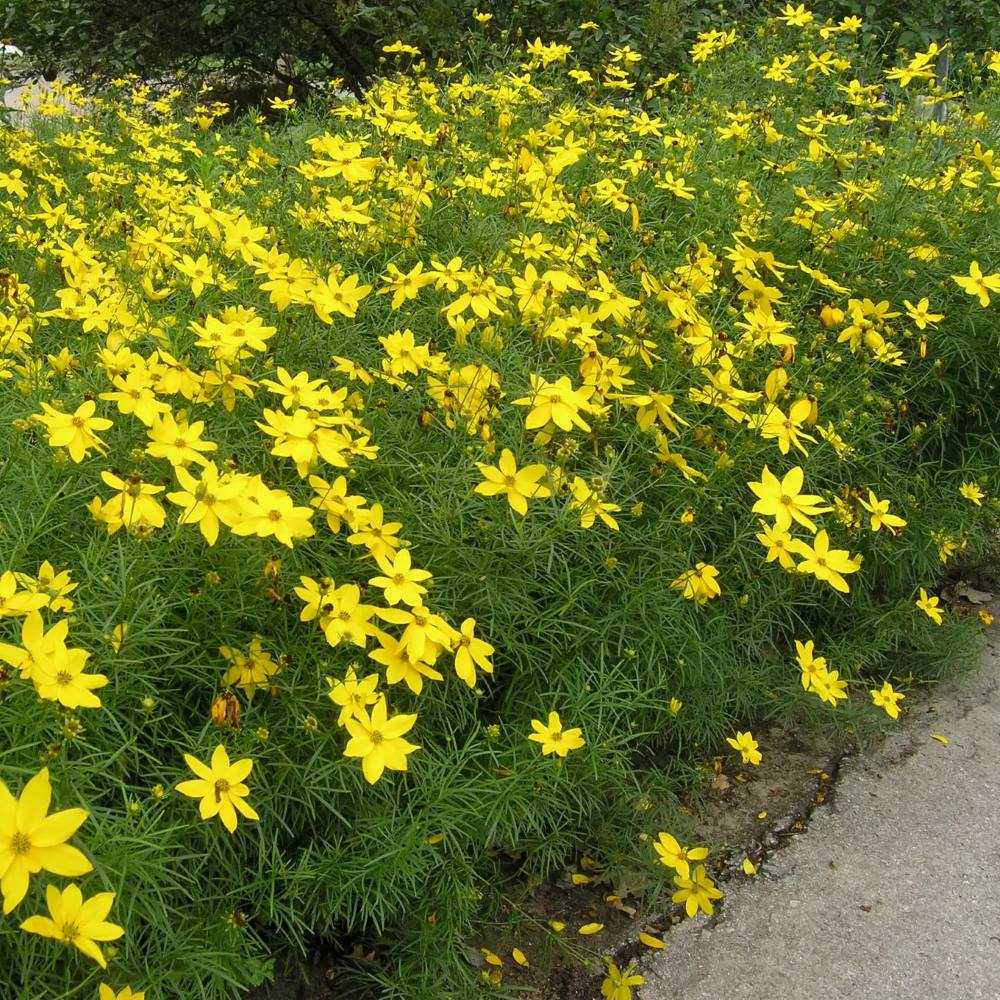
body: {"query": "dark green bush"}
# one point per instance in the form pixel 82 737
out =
pixel 970 25
pixel 298 40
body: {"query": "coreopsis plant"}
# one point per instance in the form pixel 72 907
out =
pixel 352 441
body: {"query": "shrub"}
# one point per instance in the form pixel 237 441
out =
pixel 258 43
pixel 650 295
pixel 970 25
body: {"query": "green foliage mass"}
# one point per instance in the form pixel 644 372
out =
pixel 257 43
pixel 520 168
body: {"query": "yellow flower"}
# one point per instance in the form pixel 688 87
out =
pixel 674 856
pixel 126 993
pixel 372 530
pixel 613 304
pixel 972 493
pixel 589 501
pixel 177 441
pixel 335 296
pixel 405 286
pixel 828 686
pixel 54 586
pixel 931 606
pixel 796 17
pixel 199 272
pixel 782 500
pixel 118 634
pixel 787 429
pixel 978 284
pixel 220 787
pixel 517 485
pixel 378 740
pixel 32 841
pixel 921 314
pixel 824 563
pixel 554 738
pixel 879 510
pixel 887 699
pixel 14 602
pixel 696 892
pixel 471 652
pixel 402 666
pixel 664 455
pixel 77 431
pixel 54 669
pixel 344 616
pixel 134 507
pixel 811 666
pixel 402 581
pixel 353 696
pixel 210 501
pixel 134 395
pixel 776 540
pixel 555 402
pixel 747 746
pixel 274 515
pixel 401 48
pixel 76 921
pixel 698 584
pixel 249 672
pixel 618 985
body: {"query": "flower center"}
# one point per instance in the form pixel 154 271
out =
pixel 20 843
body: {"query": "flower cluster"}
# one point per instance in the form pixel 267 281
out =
pixel 390 477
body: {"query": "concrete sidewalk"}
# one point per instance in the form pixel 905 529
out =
pixel 892 892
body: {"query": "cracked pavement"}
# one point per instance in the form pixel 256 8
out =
pixel 892 892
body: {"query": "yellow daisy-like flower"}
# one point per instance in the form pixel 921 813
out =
pixel 931 606
pixel 554 738
pixel 76 921
pixel 517 485
pixel 972 493
pixel 887 699
pixel 220 787
pixel 31 840
pixel 674 856
pixel 378 740
pixel 747 746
